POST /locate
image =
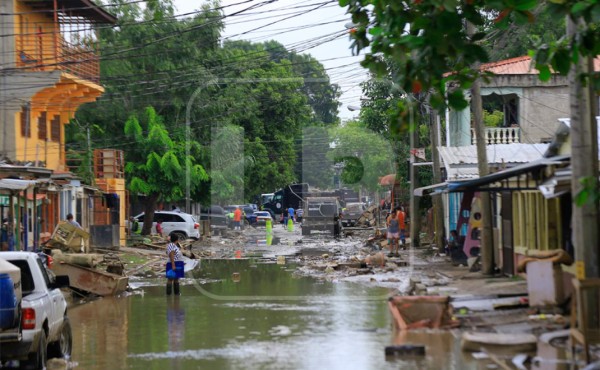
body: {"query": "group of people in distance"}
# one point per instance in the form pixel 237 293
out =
pixel 396 233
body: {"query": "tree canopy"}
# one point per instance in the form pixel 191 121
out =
pixel 193 78
pixel 432 49
pixel 158 166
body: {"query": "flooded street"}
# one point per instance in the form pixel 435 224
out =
pixel 240 314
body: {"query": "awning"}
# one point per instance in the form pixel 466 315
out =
pixel 557 185
pixel 435 188
pixel 9 185
pixel 482 183
pixel 388 180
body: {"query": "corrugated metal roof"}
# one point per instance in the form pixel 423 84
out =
pixel 15 185
pixel 496 153
pixel 461 161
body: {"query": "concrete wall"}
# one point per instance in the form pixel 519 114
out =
pixel 541 104
pixel 540 109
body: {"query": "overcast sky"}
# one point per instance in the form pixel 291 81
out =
pixel 305 26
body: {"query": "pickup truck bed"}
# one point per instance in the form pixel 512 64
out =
pixel 43 329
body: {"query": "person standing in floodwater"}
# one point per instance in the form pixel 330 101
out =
pixel 174 254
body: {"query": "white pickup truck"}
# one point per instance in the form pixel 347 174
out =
pixel 43 330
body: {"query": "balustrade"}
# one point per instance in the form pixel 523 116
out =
pixel 499 135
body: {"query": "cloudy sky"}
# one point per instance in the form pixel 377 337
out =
pixel 315 27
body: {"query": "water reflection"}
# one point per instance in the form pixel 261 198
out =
pixel 175 327
pixel 326 325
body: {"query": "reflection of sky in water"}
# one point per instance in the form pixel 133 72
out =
pixel 328 331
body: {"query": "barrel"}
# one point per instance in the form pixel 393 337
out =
pixel 8 302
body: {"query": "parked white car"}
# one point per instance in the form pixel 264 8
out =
pixel 173 222
pixel 262 217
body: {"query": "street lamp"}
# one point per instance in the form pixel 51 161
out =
pixel 353 108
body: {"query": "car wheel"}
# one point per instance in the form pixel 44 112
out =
pixel 180 235
pixel 37 360
pixel 63 346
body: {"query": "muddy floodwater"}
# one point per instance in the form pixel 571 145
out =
pixel 241 314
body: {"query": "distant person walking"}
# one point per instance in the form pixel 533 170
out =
pixel 72 221
pixel 401 215
pixel 291 214
pixel 237 219
pixel 174 254
pixel 393 234
pixel 159 228
pixel 134 226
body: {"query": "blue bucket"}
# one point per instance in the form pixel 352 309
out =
pixel 8 302
pixel 179 273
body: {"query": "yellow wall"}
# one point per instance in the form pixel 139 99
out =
pixel 33 148
pixel 537 222
pixel 61 97
pixel 38 46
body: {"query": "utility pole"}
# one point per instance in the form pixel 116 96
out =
pixel 90 162
pixel 415 220
pixel 487 239
pixel 438 211
pixel 584 162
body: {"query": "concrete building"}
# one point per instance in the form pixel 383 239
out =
pixel 531 107
pixel 49 67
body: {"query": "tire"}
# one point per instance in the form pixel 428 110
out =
pixel 182 236
pixel 63 346
pixel 37 360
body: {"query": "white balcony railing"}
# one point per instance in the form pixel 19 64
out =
pixel 499 135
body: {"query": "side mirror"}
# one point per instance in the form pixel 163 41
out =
pixel 61 281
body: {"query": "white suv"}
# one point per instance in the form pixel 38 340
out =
pixel 173 222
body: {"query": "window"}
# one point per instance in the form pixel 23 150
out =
pixel 27 284
pixel 25 126
pixel 42 127
pixel 55 129
pixel 44 272
pixel 176 218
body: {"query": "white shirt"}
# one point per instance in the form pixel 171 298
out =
pixel 172 247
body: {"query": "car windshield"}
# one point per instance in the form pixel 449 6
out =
pixel 262 214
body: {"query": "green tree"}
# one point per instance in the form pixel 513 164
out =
pixel 493 119
pixel 158 166
pixel 366 155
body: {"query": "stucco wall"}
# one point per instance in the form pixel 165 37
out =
pixel 539 111
pixel 541 104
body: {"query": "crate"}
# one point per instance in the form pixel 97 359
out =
pixel 67 236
